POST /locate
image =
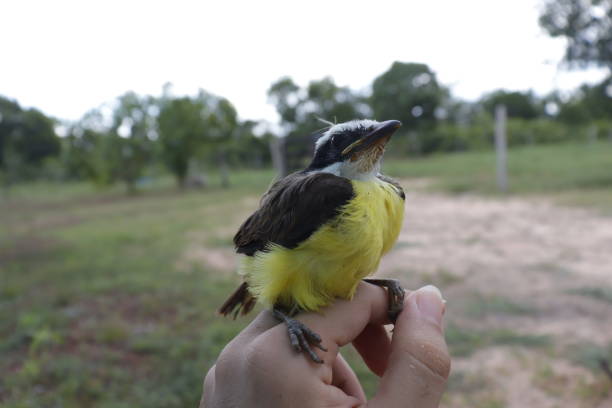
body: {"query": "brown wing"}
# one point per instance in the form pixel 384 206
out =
pixel 292 209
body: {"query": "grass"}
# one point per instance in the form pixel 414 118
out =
pixel 601 293
pixel 481 305
pixel 576 174
pixel 93 307
pixel 463 342
pixel 590 355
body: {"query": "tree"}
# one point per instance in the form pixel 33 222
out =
pixel 27 138
pixel 221 129
pixel 250 145
pixel 83 157
pixel 301 110
pixel 588 103
pixel 192 128
pixel 587 26
pixel 518 104
pixel 130 137
pixel 284 94
pixel 598 99
pixel 407 92
pixel 181 132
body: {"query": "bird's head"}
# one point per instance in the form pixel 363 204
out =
pixel 353 149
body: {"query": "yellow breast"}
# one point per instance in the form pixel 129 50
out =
pixel 332 261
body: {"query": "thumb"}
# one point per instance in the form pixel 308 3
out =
pixel 419 363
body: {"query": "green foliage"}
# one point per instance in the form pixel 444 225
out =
pixel 518 104
pixel 130 138
pixel 586 25
pixel 191 128
pixel 463 342
pixel 588 103
pixel 600 293
pixel 407 92
pixel 107 148
pixel 27 138
pixel 301 109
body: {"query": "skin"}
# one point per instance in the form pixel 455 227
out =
pixel 259 369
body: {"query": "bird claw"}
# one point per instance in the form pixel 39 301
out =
pixel 302 338
pixel 396 296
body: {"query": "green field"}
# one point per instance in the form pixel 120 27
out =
pixel 101 305
pixel 572 173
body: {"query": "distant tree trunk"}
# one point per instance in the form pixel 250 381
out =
pixel 257 159
pixel 223 169
pixel 592 134
pixel 279 159
pixel 181 181
pixel 181 168
pixel 130 186
pixel 414 143
pixel 195 178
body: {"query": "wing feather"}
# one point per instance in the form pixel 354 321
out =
pixel 292 209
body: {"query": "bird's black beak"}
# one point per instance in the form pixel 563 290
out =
pixel 379 135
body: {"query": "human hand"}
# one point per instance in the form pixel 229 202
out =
pixel 260 369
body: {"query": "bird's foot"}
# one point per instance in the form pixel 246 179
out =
pixel 302 339
pixel 396 295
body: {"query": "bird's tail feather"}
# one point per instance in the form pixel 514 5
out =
pixel 240 302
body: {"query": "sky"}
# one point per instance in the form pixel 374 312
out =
pixel 67 57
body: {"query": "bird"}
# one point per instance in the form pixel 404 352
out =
pixel 318 232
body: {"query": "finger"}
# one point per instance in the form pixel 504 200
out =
pixel 374 346
pixel 229 358
pixel 263 322
pixel 209 388
pixel 341 323
pixel 419 363
pixel 344 378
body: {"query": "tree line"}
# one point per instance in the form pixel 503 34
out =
pixel 120 141
pixel 136 135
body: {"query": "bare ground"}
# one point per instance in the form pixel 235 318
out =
pixel 527 268
pixel 516 265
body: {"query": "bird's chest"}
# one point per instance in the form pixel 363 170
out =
pixel 372 220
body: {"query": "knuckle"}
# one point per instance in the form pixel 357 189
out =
pixel 224 366
pixel 257 356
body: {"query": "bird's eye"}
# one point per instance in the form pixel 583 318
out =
pixel 336 141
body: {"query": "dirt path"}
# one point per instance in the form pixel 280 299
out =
pixel 524 267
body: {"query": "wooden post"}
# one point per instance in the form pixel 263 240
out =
pixel 501 148
pixel 277 150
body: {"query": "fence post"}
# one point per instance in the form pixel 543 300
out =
pixel 277 151
pixel 501 148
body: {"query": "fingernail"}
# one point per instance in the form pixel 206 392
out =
pixel 430 303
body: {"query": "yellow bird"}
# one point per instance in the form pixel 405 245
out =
pixel 319 231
